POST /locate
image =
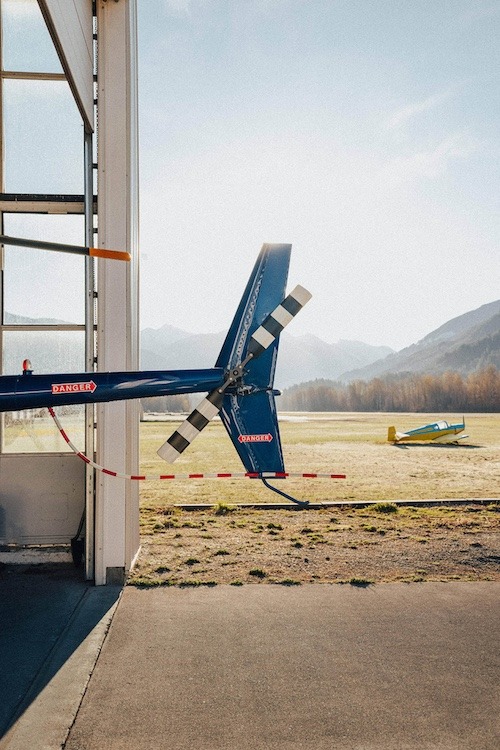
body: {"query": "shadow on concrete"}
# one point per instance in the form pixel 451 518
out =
pixel 46 612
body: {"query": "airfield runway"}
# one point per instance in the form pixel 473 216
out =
pixel 387 667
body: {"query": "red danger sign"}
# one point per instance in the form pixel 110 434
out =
pixel 255 438
pixel 87 387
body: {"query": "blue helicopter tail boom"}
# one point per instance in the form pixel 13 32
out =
pixel 240 385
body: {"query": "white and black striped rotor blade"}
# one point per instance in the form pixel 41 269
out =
pixel 191 427
pixel 260 340
pixel 280 317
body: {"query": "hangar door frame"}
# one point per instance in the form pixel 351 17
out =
pixel 102 74
pixel 48 513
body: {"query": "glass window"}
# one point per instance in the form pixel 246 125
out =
pixel 43 153
pixel 43 138
pixel 48 351
pixel 43 287
pixel 33 430
pixel 26 42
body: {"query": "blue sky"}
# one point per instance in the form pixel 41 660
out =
pixel 364 132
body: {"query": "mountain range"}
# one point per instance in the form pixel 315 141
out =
pixel 464 344
pixel 301 358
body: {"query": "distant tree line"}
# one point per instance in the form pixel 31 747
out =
pixel 447 392
pixel 169 404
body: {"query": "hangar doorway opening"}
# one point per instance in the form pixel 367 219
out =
pixel 66 313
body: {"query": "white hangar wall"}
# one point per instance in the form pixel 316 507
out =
pixel 117 501
pixel 116 515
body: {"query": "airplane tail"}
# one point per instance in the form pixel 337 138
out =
pixel 249 410
pixel 391 435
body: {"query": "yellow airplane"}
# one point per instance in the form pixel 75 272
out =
pixel 437 432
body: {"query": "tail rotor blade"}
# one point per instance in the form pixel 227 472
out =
pixel 192 426
pixel 260 340
pixel 280 317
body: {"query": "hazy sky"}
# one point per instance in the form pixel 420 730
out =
pixel 364 132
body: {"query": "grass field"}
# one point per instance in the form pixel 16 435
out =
pixel 380 543
pixel 354 444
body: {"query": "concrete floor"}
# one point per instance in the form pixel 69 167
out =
pixel 388 667
pixel 52 625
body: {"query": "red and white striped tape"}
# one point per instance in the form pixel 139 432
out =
pixel 218 475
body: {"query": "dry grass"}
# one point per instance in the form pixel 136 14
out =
pixel 354 444
pixel 339 545
pixel 335 546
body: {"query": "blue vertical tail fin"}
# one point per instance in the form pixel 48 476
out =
pixel 249 410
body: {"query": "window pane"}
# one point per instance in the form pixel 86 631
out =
pixel 26 42
pixel 48 351
pixel 43 138
pixel 34 430
pixel 40 286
